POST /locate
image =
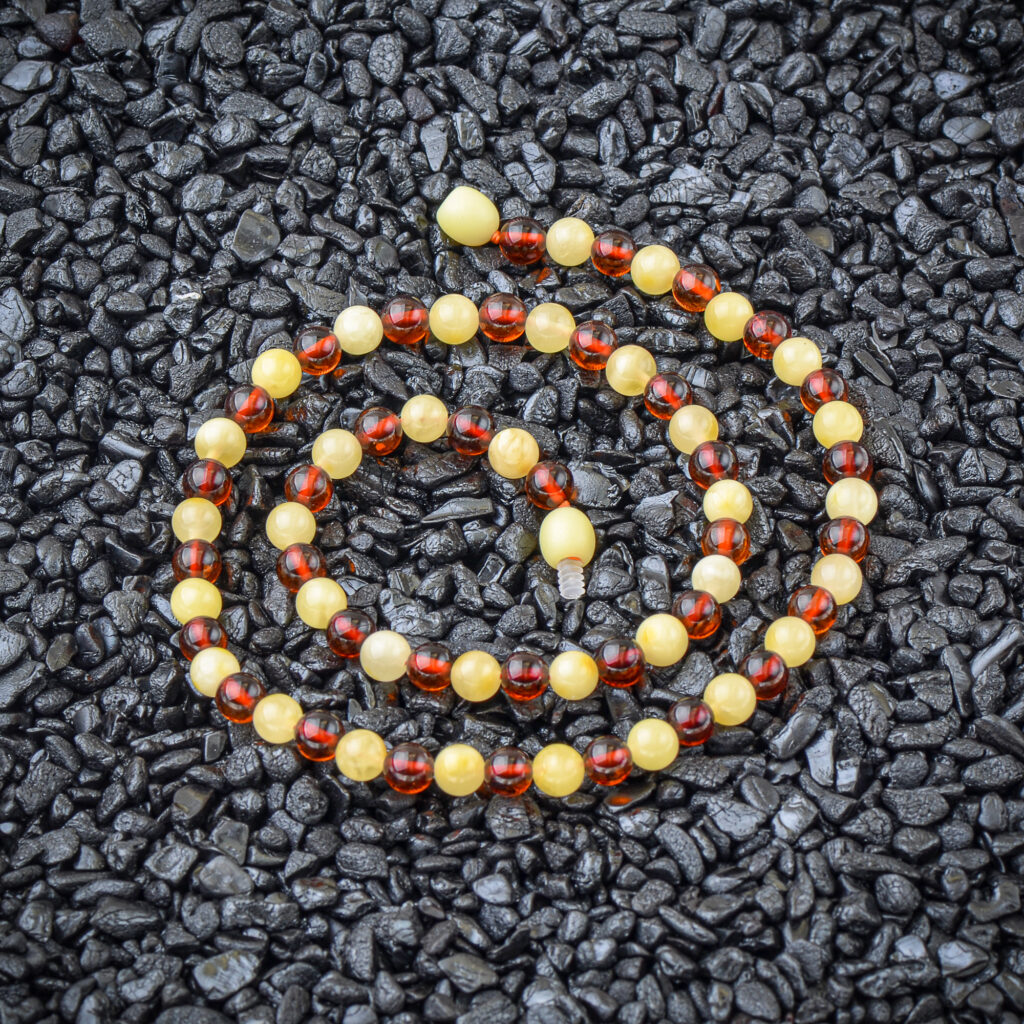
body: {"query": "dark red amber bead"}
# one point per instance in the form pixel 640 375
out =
pixel 200 633
pixel 726 537
pixel 207 478
pixel 699 612
pixel 502 317
pixel 620 662
pixel 767 673
pixel 607 761
pixel 845 459
pixel 196 558
pixel 409 768
pixel 694 286
pixel 238 695
pixel 550 485
pixel 612 253
pixel 405 320
pixel 711 461
pixel 666 392
pixel 251 407
pixel 470 430
pixel 521 241
pixel 347 630
pixel 508 772
pixel 430 667
pixel 591 343
pixel 821 386
pixel 692 720
pixel 317 734
pixel 816 606
pixel 844 536
pixel 309 486
pixel 317 349
pixel 298 564
pixel 524 675
pixel 765 332
pixel 378 430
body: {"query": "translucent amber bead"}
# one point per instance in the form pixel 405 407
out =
pixel 666 392
pixel 196 558
pixel 310 486
pixel 692 720
pixel 347 631
pixel 840 575
pixel 573 675
pixel 550 485
pixel 251 408
pixel 383 655
pixel 794 359
pixel 196 519
pixel 852 497
pixel 844 536
pixel 508 772
pixel 430 667
pixel 837 421
pixel 238 695
pixel 338 452
pixel 298 564
pixel 620 662
pixel 317 349
pixel 816 606
pixel 195 598
pixel 847 459
pixel 569 241
pixel 607 761
pixel 728 499
pixel 209 667
pixel 726 315
pixel 767 673
pixel 317 601
pixel 290 523
pixel 612 253
pixel 424 418
pixel 566 533
pixel 695 286
pixel 359 330
pixel 222 440
pixel 699 613
pixel 653 269
pixel 711 461
pixel 821 387
pixel 408 768
pixel 591 344
pixel 275 718
pixel 360 755
pixel 470 430
pixel 378 430
pixel 558 770
pixel 629 369
pixel 764 332
pixel 524 676
pixel 717 575
pixel 467 216
pixel 454 319
pixel 521 241
pixel 662 639
pixel 207 478
pixel 502 317
pixel 731 698
pixel 549 326
pixel 476 676
pixel 277 371
pixel 317 734
pixel 513 452
pixel 653 744
pixel 691 426
pixel 459 769
pixel 404 321
pixel 726 537
pixel 792 639
pixel 200 633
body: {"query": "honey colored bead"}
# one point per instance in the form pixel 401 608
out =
pixel 548 327
pixel 654 268
pixel 791 639
pixel 275 718
pixel 653 743
pixel 629 369
pixel 726 315
pixel 476 676
pixel 468 217
pixel 221 439
pixel 558 770
pixel 454 319
pixel 358 329
pixel 566 533
pixel 573 675
pixel 728 499
pixel 459 769
pixel 277 371
pixel 424 418
pixel 384 654
pixel 663 639
pixel 290 523
pixel 837 421
pixel 852 497
pixel 840 575
pixel 794 359
pixel 513 452
pixel 569 241
pixel 691 426
pixel 196 519
pixel 360 755
pixel 193 598
pixel 718 576
pixel 209 667
pixel 731 697
pixel 318 600
pixel 338 452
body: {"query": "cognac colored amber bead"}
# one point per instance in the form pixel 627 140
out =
pixel 711 461
pixel 765 332
pixel 620 662
pixel 694 286
pixel 612 252
pixel 521 241
pixel 844 536
pixel 250 407
pixel 378 430
pixel 822 386
pixel 317 734
pixel 692 720
pixel 699 612
pixel 309 486
pixel 726 537
pixel 405 320
pixel 816 606
pixel 607 761
pixel 845 459
pixel 207 478
pixel 470 430
pixel 430 667
pixel 767 673
pixel 502 317
pixel 237 696
pixel 198 634
pixel 347 630
pixel 549 485
pixel 409 768
pixel 317 349
pixel 298 564
pixel 591 343
pixel 666 392
pixel 508 772
pixel 524 676
pixel 196 558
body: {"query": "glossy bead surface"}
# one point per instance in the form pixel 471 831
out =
pixel 620 662
pixel 717 575
pixel 405 320
pixel 318 600
pixel 653 269
pixel 612 252
pixel 209 667
pixel 299 563
pixel 728 499
pixel 502 317
pixel 847 459
pixel 424 418
pixel 359 330
pixel 573 675
pixel 569 241
pixel 360 755
pixel 566 532
pixel 317 734
pixel 338 452
pixel 558 770
pixel 726 315
pixel 310 486
pixel 726 537
pixel 731 698
pixel 453 319
pixel 206 478
pixel 549 325
pixel 196 519
pixel 238 695
pixel 513 452
pixel 792 639
pixel 549 485
pixel 468 217
pixel 821 387
pixel 476 676
pixel 275 717
pixel 290 523
pixel 251 408
pixel 378 431
pixel 521 241
pixel 840 575
pixel 816 606
pixel 347 630
pixel 767 673
pixel 711 461
pixel 196 558
pixel 199 633
pixel 699 612
pixel 508 772
pixel 837 421
pixel 662 639
pixel 459 769
pixel 591 344
pixel 408 768
pixel 629 369
pixel 470 430
pixel 607 761
pixel 430 667
pixel 853 498
pixel 524 676
pixel 222 440
pixel 653 744
pixel 277 371
pixel 692 720
pixel 794 359
pixel 694 286
pixel 764 332
pixel 666 392
pixel 691 426
pixel 195 598
pixel 844 536
pixel 383 655
pixel 317 349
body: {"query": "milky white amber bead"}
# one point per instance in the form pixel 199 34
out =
pixel 453 319
pixel 852 497
pixel 384 654
pixel 360 755
pixel 513 452
pixel 629 369
pixel 275 717
pixel 209 667
pixel 358 330
pixel 840 575
pixel 548 326
pixel 653 743
pixel 728 499
pixel 290 523
pixel 566 533
pixel 424 418
pixel 792 639
pixel 317 601
pixel 476 676
pixel 718 575
pixel 726 315
pixel 690 426
pixel 653 269
pixel 338 453
pixel 467 216
pixel 731 697
pixel 663 639
pixel 196 519
pixel 835 422
pixel 569 241
pixel 558 770
pixel 459 769
pixel 794 359
pixel 193 598
pixel 573 675
pixel 221 439
pixel 277 371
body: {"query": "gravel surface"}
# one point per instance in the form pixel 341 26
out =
pixel 182 184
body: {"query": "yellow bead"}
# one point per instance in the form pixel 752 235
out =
pixel 459 769
pixel 837 421
pixel 194 597
pixel 548 326
pixel 557 770
pixel 690 426
pixel 277 371
pixel 653 744
pixel 629 369
pixel 454 319
pixel 726 315
pixel 384 654
pixel 275 717
pixel 476 676
pixel 731 697
pixel 566 533
pixel 569 241
pixel 728 499
pixel 196 519
pixel 360 755
pixel 221 439
pixel 513 452
pixel 290 523
pixel 663 639
pixel 573 675
pixel 467 216
pixel 718 575
pixel 424 418
pixel 840 575
pixel 791 639
pixel 209 667
pixel 317 601
pixel 653 268
pixel 358 330
pixel 338 453
pixel 794 359
pixel 852 497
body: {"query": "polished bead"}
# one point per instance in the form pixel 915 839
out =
pixel 207 478
pixel 699 612
pixel 852 497
pixel 195 598
pixel 666 392
pixel 310 486
pixel 792 639
pixel 767 673
pixel 453 319
pixel 794 359
pixel 359 330
pixel 275 717
pixel 470 430
pixel 717 575
pixel 816 606
pixel 298 564
pixel 620 662
pixel 726 537
pixel 764 332
pixel 847 459
pixel 566 532
pixel 317 601
pixel 338 452
pixel 691 426
pixel 290 523
pixel 424 418
pixel 196 558
pixel 196 519
pixel 549 325
pixel 405 320
pixel 209 667
pixel 430 667
pixel 837 421
pixel 558 770
pixel 694 286
pixel 277 371
pixel 629 369
pixel 238 695
pixel 468 217
pixel 573 675
pixel 524 676
pixel 726 315
pixel 513 452
pixel 844 536
pixel 521 241
pixel 360 755
pixel 317 349
pixel 347 630
pixel 317 734
pixel 221 439
pixel 199 633
pixel 728 499
pixel 459 769
pixel 731 698
pixel 408 768
pixel 692 720
pixel 821 387
pixel 508 772
pixel 502 317
pixel 378 430
pixel 653 269
pixel 612 252
pixel 653 744
pixel 840 575
pixel 591 344
pixel 549 485
pixel 383 655
pixel 607 761
pixel 662 639
pixel 569 241
pixel 711 461
pixel 250 407
pixel 476 676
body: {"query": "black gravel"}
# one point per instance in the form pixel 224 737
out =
pixel 183 183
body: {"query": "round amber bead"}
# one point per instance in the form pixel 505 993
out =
pixel 726 537
pixel 508 772
pixel 250 407
pixel 666 392
pixel 816 606
pixel 620 662
pixel 712 461
pixel 347 630
pixel 612 253
pixel 694 286
pixel 409 768
pixel 607 761
pixel 429 667
pixel 196 558
pixel 765 332
pixel 317 349
pixel 298 564
pixel 822 386
pixel 378 430
pixel 844 536
pixel 692 720
pixel 207 478
pixel 317 734
pixel 405 320
pixel 237 696
pixel 199 633
pixel 524 676
pixel 310 486
pixel 767 673
pixel 591 343
pixel 502 317
pixel 549 485
pixel 521 241
pixel 470 430
pixel 699 612
pixel 845 459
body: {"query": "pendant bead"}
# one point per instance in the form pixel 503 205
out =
pixel 549 485
pixel 317 734
pixel 467 216
pixel 508 772
pixel 816 606
pixel 429 667
pixel 251 408
pixel 820 387
pixel 470 430
pixel 726 537
pixel 612 253
pixel 695 286
pixel 408 768
pixel 692 720
pixel 844 536
pixel 521 241
pixel 607 761
pixel 238 695
pixel 298 564
pixel 405 320
pixel 347 630
pixel 502 317
pixel 699 612
pixel 317 349
pixel 666 392
pixel 524 676
pixel 847 459
pixel 207 478
pixel 764 332
pixel 199 633
pixel 196 558
pixel 310 486
pixel 591 345
pixel 767 673
pixel 620 663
